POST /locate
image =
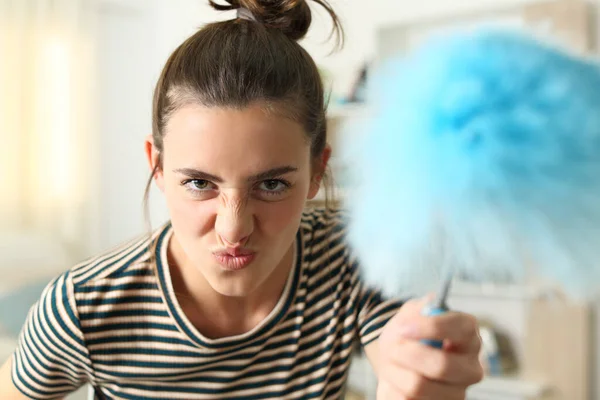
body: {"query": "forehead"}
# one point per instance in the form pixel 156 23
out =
pixel 201 136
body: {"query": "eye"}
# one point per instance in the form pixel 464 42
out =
pixel 198 185
pixel 273 185
pixel 273 189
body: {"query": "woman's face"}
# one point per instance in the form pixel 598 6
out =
pixel 235 182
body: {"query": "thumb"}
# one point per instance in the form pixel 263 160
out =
pixel 409 311
pixel 417 305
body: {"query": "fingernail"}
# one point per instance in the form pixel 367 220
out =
pixel 409 331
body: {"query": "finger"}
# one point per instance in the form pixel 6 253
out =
pixel 415 306
pixel 410 309
pixel 472 347
pixel 440 366
pixel 402 382
pixel 462 330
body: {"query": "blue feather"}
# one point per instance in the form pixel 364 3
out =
pixel 482 155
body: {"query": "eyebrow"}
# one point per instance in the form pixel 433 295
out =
pixel 269 174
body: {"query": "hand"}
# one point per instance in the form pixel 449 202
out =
pixel 411 370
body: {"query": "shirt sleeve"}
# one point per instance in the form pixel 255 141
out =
pixel 51 359
pixel 373 309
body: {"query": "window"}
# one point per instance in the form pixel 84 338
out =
pixel 46 120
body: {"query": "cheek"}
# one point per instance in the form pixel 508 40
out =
pixel 190 216
pixel 277 218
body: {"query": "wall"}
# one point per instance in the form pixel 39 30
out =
pixel 135 39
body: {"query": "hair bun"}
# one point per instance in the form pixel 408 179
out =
pixel 292 17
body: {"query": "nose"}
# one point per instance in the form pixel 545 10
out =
pixel 235 220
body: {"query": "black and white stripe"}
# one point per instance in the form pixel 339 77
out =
pixel 114 321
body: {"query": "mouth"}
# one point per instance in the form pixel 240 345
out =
pixel 234 259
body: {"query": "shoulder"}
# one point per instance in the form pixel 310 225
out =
pixel 54 340
pixel 128 259
pixel 324 227
pixel 324 240
pixel 113 273
pixel 321 220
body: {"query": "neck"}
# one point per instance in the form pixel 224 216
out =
pixel 216 315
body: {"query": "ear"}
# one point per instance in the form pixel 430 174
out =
pixel 318 171
pixel 153 158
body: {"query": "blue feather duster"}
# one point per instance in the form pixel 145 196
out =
pixel 481 156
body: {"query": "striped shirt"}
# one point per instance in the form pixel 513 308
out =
pixel 114 321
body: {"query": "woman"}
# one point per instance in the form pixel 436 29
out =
pixel 245 293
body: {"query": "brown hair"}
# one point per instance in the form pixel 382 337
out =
pixel 238 62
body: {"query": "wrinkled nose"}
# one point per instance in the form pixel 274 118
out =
pixel 234 222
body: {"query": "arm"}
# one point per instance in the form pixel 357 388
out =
pixel 51 359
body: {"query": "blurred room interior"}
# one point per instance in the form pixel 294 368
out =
pixel 76 80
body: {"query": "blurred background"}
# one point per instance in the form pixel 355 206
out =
pixel 76 82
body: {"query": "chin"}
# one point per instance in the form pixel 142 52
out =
pixel 237 283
